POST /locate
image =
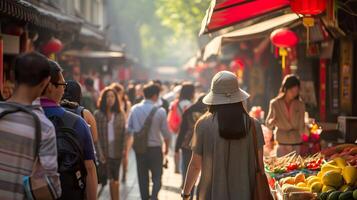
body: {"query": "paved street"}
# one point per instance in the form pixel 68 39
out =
pixel 130 190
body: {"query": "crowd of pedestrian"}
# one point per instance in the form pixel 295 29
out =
pixel 61 139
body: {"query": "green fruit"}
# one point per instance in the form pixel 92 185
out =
pixel 346 195
pixel 334 195
pixel 355 194
pixel 323 196
pixel 326 194
pixel 332 178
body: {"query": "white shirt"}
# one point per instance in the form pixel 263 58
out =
pixel 111 136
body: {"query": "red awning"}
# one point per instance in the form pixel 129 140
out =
pixel 224 13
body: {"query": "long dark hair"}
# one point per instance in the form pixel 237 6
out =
pixel 102 101
pixel 231 121
pixel 73 92
pixel 187 92
pixel 289 82
pixel 120 88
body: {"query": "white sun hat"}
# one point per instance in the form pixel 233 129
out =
pixel 225 90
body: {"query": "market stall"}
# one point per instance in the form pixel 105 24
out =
pixel 327 175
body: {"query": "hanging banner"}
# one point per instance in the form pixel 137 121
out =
pixel 323 90
pixel 346 73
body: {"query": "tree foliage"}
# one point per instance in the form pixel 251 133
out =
pixel 159 32
pixel 184 17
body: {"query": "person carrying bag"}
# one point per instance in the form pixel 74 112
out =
pixel 36 185
pixel 141 137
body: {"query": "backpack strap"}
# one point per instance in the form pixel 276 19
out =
pixel 179 108
pixel 28 110
pixel 79 111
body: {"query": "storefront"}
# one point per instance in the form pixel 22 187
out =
pixel 26 27
pixel 324 60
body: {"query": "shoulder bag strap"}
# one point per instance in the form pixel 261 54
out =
pixel 252 125
pixel 148 119
pixel 179 108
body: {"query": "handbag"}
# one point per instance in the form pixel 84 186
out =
pixel 38 187
pixel 261 190
pixel 141 137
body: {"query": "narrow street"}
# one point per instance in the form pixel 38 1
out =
pixel 130 190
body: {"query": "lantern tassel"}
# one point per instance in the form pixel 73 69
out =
pixel 283 62
pixel 283 53
pixel 307 38
pixel 308 22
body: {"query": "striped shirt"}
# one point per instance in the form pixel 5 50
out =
pixel 17 140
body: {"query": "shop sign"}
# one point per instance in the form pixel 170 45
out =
pixel 11 44
pixel 334 88
pixel 346 71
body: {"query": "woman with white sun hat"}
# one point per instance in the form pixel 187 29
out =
pixel 223 144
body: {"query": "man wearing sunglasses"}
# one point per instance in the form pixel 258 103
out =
pixel 51 105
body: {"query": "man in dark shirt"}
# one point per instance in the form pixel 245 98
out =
pixel 51 105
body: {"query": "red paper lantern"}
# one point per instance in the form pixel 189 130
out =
pixel 308 7
pixel 52 46
pixel 284 38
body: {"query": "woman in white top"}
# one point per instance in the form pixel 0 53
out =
pixel 111 131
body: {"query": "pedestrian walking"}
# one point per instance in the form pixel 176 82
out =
pixel 21 148
pixel 161 102
pixel 131 93
pixel 90 95
pixel 111 129
pixel 286 116
pixel 125 107
pixel 74 137
pixel 71 101
pixel 177 108
pixel 223 144
pixel 148 120
pixel 189 119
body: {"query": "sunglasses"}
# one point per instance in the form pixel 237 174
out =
pixel 62 84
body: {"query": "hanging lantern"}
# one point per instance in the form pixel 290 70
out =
pixel 308 8
pixel 283 38
pixel 52 46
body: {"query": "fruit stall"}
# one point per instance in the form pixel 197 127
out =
pixel 330 174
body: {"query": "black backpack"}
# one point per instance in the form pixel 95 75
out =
pixel 70 156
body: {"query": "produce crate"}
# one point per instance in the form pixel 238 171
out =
pixel 280 195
